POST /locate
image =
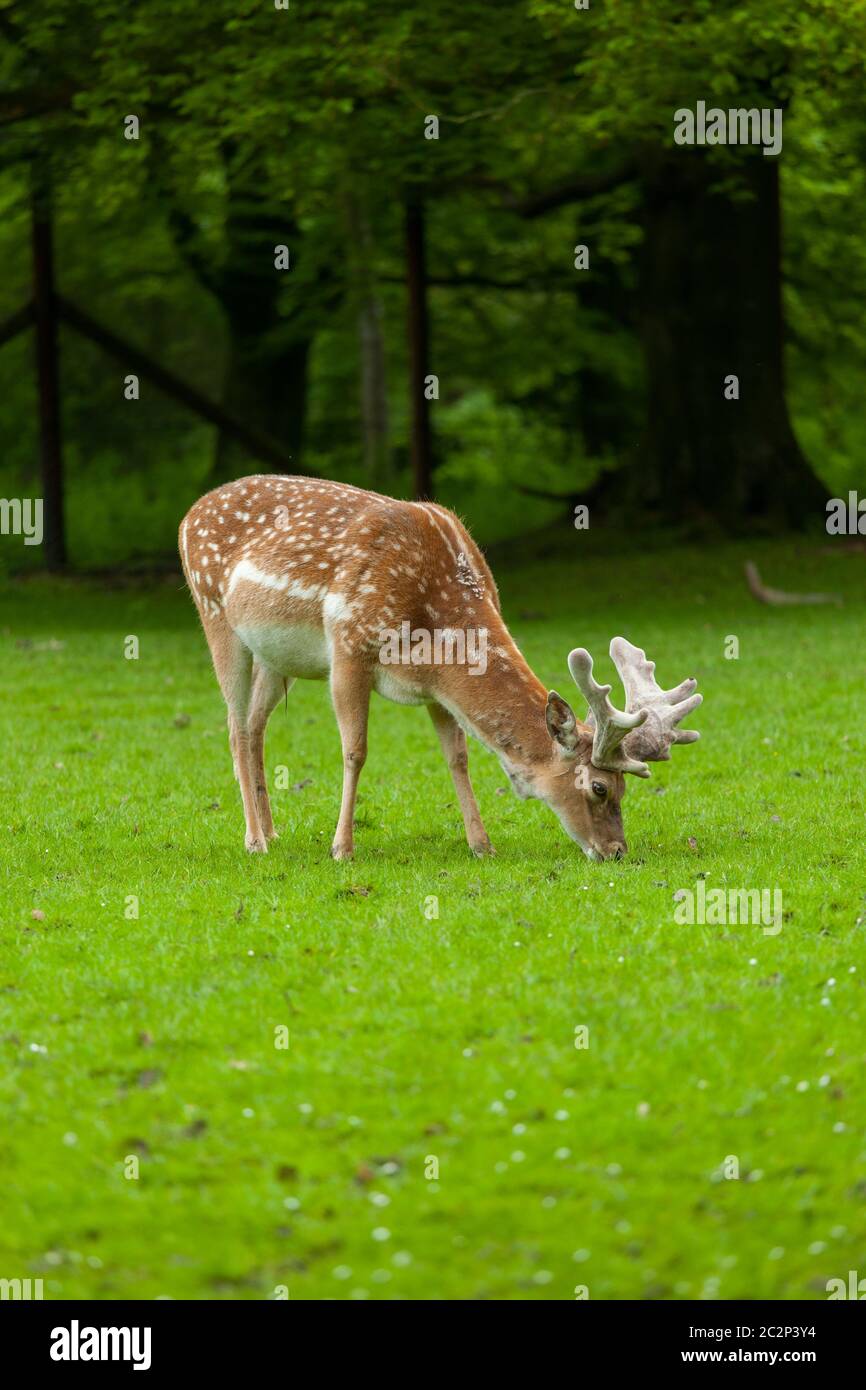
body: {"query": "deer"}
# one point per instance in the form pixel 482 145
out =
pixel 301 578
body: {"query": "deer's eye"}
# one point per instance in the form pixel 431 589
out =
pixel 599 788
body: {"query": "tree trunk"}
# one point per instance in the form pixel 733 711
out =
pixel 48 377
pixel 369 310
pixel 419 350
pixel 711 308
pixel 266 376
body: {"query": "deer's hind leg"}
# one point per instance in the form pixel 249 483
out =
pixel 268 688
pixel 233 663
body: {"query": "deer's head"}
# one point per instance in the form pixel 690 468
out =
pixel 584 780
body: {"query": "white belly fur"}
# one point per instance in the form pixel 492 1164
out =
pixel 305 652
pixel 397 691
pixel 290 651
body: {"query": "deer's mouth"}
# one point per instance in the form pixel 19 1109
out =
pixel 599 856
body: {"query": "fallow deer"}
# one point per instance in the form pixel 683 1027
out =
pixel 300 577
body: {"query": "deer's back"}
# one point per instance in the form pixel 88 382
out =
pixel 296 566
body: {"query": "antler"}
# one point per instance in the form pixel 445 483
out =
pixel 627 741
pixel 611 725
pixel 662 709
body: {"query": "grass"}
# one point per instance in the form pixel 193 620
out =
pixel 416 1040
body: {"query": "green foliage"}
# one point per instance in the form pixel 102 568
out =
pixel 317 116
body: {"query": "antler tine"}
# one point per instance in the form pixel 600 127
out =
pixel 663 708
pixel 611 725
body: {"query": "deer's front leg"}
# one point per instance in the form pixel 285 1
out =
pixel 351 684
pixel 453 741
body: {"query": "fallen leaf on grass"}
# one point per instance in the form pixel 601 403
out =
pixel 148 1078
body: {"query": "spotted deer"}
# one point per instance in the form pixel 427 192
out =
pixel 300 578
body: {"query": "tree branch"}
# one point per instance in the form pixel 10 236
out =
pixel 35 101
pixel 572 191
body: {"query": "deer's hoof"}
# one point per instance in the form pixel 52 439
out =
pixel 482 849
pixel 256 844
pixel 342 851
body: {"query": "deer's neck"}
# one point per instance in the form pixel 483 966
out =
pixel 504 708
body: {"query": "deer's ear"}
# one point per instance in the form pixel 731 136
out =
pixel 561 723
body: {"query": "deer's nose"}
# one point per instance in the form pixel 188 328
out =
pixel 616 851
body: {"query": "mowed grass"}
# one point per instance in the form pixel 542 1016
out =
pixel 419 1041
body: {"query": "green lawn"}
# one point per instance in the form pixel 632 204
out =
pixel 450 1039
